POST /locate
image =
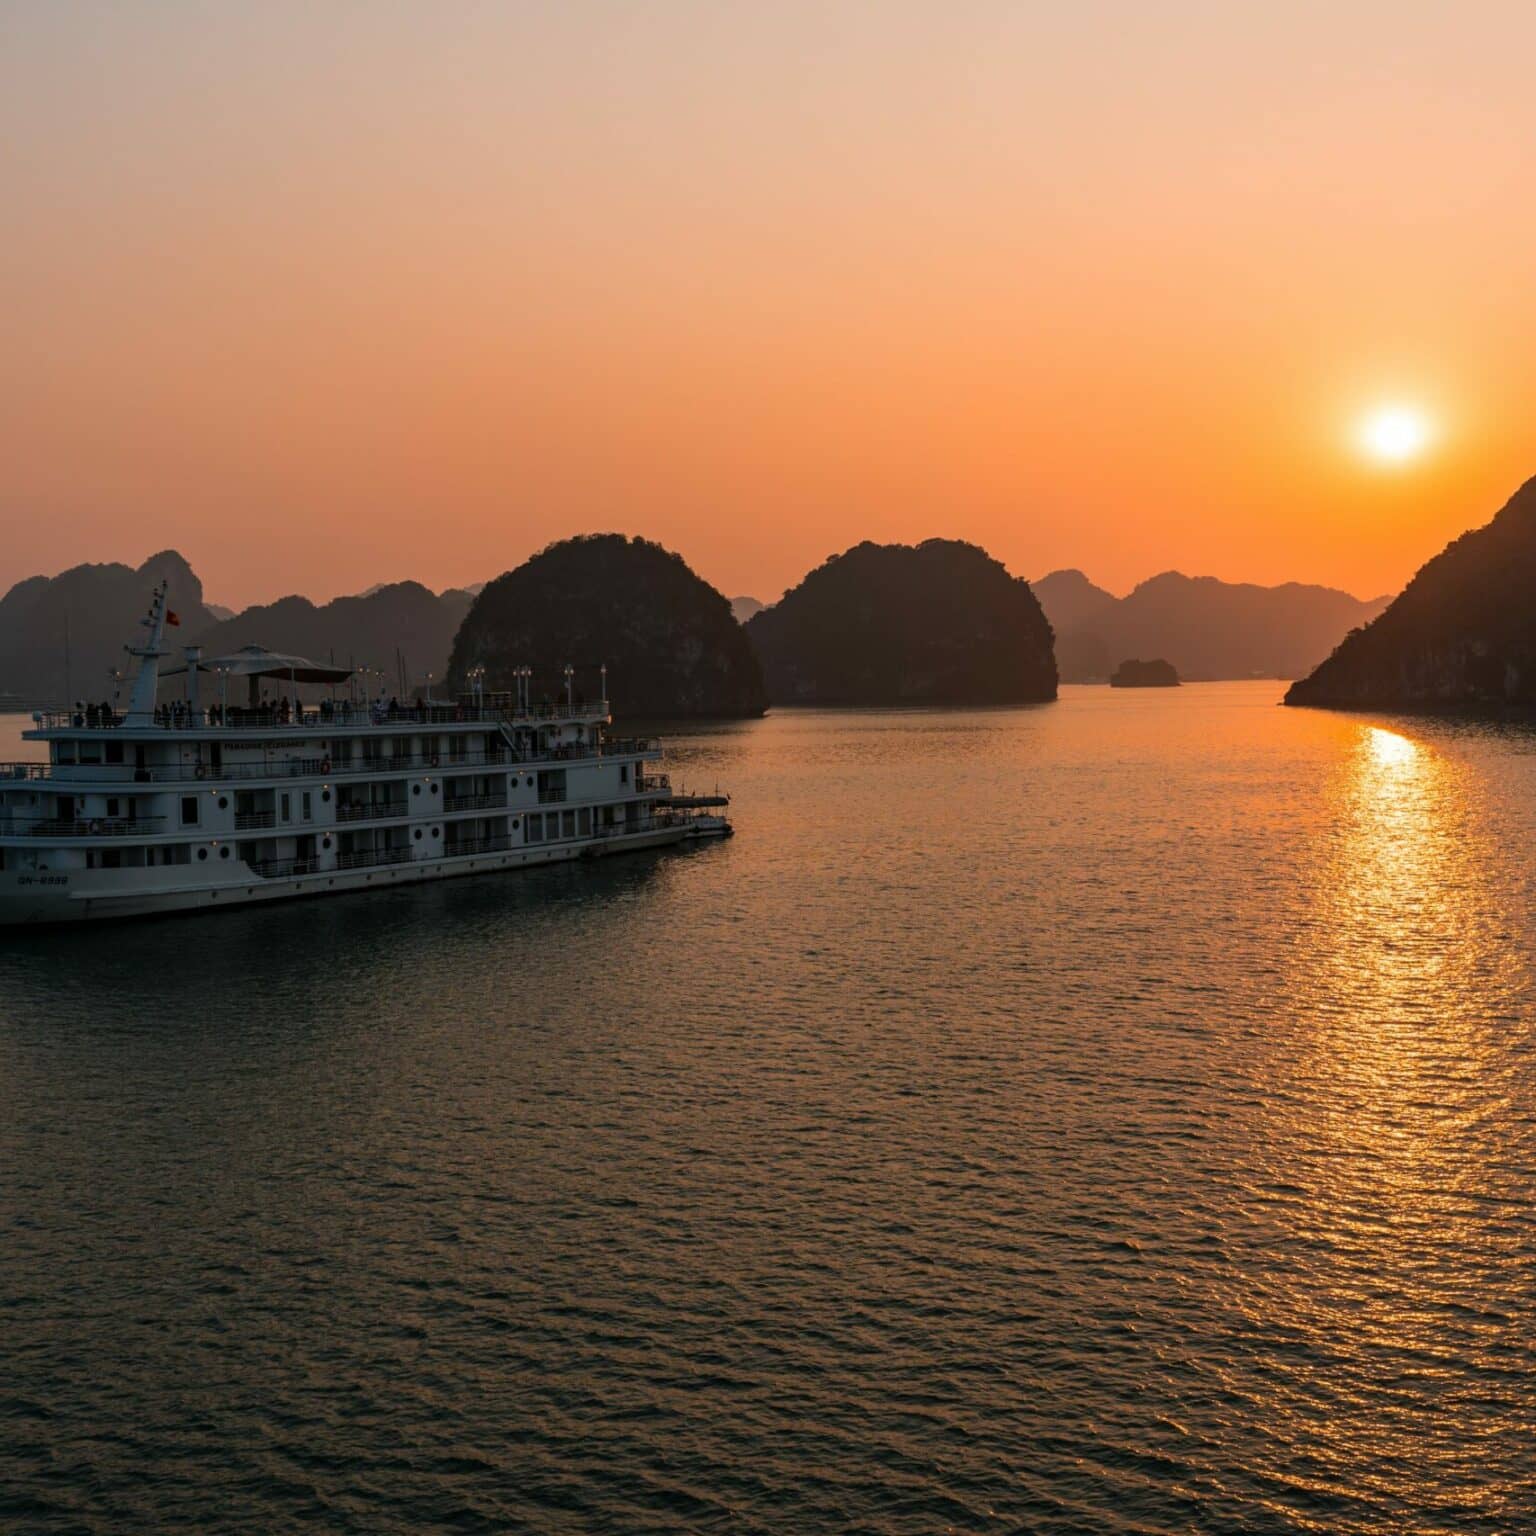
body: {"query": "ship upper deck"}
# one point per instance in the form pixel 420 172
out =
pixel 322 720
pixel 274 769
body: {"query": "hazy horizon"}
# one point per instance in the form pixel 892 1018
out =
pixel 766 599
pixel 317 295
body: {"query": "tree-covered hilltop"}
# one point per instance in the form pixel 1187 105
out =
pixel 937 623
pixel 669 640
pixel 1461 636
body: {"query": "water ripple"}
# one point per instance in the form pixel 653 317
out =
pixel 1110 1118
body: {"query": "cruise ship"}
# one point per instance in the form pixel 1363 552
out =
pixel 200 802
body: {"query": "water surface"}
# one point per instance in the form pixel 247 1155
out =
pixel 1113 1116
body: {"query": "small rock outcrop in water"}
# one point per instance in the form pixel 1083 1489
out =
pixel 668 639
pixel 1461 636
pixel 938 623
pixel 1145 674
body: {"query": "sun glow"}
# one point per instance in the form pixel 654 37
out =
pixel 1394 434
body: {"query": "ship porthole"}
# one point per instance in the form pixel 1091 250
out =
pixel 417 834
pixel 415 789
pixel 516 823
pixel 437 831
pixel 325 842
pixel 202 853
pixel 223 802
pixel 434 789
pixel 224 853
pixel 325 795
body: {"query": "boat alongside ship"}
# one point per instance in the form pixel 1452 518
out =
pixel 200 804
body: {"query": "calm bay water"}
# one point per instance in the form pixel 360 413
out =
pixel 1114 1116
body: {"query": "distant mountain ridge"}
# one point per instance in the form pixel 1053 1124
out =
pixel 1461 636
pixel 61 636
pixel 1207 628
pixel 364 631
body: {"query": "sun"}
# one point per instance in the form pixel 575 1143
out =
pixel 1394 435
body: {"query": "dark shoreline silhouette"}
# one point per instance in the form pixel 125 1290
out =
pixel 1461 638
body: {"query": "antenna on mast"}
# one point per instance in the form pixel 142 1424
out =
pixel 141 703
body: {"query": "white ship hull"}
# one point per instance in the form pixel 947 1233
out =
pixel 27 900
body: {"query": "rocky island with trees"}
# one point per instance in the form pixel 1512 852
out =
pixel 670 643
pixel 1462 636
pixel 940 622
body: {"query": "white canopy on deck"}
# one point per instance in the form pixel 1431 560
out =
pixel 258 661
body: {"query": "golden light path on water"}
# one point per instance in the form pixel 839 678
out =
pixel 1395 1132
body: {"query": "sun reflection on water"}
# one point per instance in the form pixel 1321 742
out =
pixel 1392 1126
pixel 1388 747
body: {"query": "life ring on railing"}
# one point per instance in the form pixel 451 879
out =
pixel 201 771
pixel 325 765
pixel 95 829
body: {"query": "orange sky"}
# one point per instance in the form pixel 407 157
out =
pixel 329 294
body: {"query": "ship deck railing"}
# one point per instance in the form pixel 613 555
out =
pixel 373 810
pixel 475 802
pixel 314 767
pixel 96 826
pixel 270 869
pixel 367 858
pixel 496 843
pixel 96 717
pixel 362 857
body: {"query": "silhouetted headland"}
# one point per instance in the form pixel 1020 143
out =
pixel 1462 636
pixel 937 623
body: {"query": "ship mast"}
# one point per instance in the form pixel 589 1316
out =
pixel 141 703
